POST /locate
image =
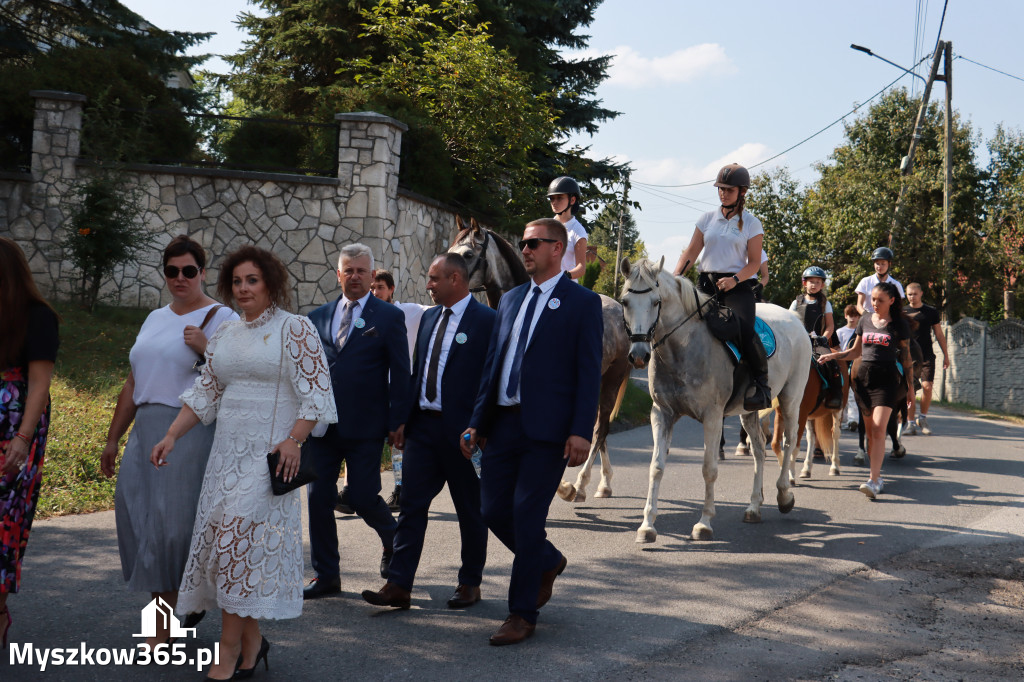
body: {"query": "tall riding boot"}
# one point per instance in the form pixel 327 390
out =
pixel 759 394
pixel 836 387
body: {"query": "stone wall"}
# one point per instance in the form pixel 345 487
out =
pixel 986 365
pixel 304 220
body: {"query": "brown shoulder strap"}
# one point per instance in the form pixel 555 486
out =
pixel 210 314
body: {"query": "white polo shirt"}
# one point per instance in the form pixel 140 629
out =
pixel 868 283
pixel 576 232
pixel 725 245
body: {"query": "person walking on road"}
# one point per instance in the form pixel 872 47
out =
pixel 534 413
pixel 450 352
pixel 929 322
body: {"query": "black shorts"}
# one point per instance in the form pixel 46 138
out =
pixel 880 384
pixel 926 370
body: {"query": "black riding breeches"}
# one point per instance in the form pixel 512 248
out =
pixel 740 299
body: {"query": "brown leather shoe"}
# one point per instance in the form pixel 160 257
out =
pixel 514 630
pixel 465 596
pixel 389 595
pixel 547 582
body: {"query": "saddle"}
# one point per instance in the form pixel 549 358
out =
pixel 831 376
pixel 725 326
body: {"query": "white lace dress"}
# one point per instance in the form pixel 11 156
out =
pixel 246 553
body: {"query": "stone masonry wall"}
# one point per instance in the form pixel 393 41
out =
pixel 986 365
pixel 304 220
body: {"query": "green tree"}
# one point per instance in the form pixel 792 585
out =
pixel 604 231
pixel 779 203
pixel 1004 226
pixel 851 206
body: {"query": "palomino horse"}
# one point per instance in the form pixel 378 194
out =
pixel 495 267
pixel 690 374
pixel 826 423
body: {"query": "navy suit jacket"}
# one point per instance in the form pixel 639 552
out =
pixel 560 379
pixel 463 368
pixel 370 374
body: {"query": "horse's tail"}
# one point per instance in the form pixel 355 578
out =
pixel 619 398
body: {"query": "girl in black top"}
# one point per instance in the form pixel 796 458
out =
pixel 883 341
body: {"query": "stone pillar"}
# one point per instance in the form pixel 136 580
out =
pixel 56 142
pixel 369 152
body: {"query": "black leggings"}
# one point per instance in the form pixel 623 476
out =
pixel 740 299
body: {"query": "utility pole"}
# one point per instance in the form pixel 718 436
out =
pixel 947 208
pixel 622 225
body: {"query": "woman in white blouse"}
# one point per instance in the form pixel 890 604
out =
pixel 155 514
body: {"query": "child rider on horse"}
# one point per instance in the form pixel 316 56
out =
pixel 732 239
pixel 815 312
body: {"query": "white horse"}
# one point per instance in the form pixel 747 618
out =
pixel 690 374
pixel 495 267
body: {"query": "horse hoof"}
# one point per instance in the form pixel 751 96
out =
pixel 646 535
pixel 834 471
pixel 721 453
pixel 567 491
pixel 805 474
pixel 900 453
pixel 751 517
pixel 741 451
pixel 786 507
pixel 702 532
pixel 581 496
pixel 603 492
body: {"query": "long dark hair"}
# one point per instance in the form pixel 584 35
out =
pixel 896 309
pixel 18 292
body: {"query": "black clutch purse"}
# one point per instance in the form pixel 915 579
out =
pixel 304 475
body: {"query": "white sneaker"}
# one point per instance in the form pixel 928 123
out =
pixel 922 421
pixel 858 459
pixel 870 488
pixel 911 429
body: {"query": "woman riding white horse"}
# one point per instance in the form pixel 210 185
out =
pixel 690 374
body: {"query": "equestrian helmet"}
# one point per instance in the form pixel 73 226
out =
pixel 815 271
pixel 564 185
pixel 733 175
pixel 882 253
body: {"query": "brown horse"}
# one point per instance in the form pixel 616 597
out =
pixel 826 423
pixel 495 267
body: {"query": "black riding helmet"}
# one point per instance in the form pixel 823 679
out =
pixel 733 175
pixel 882 253
pixel 566 185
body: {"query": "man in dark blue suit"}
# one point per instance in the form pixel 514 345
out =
pixel 535 409
pixel 451 348
pixel 365 342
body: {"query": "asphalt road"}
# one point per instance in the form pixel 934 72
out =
pixel 812 594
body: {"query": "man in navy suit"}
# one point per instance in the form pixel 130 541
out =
pixel 365 343
pixel 535 409
pixel 451 348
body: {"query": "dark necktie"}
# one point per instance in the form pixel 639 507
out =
pixel 524 334
pixel 346 322
pixel 435 356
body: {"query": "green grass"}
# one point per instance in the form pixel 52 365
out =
pixel 978 412
pixel 635 410
pixel 91 367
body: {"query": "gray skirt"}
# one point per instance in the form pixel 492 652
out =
pixel 155 510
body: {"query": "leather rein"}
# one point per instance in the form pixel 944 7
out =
pixel 649 336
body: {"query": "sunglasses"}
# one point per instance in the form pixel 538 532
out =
pixel 534 243
pixel 171 271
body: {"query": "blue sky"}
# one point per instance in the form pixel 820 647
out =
pixel 703 84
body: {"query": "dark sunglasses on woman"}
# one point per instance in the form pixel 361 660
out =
pixel 171 271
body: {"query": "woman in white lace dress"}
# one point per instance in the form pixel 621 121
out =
pixel 266 383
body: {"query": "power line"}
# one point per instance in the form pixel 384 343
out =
pixel 941 22
pixel 1009 75
pixel 803 141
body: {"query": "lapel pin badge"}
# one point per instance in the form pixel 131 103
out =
pixel 461 338
pixel 554 303
pixel 359 323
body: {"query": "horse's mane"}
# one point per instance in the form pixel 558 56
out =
pixel 513 258
pixel 653 276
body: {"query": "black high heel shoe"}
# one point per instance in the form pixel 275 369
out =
pixel 246 673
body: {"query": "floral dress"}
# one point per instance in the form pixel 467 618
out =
pixel 19 491
pixel 259 378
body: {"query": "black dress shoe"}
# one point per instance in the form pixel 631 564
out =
pixel 464 597
pixel 245 673
pixel 321 588
pixel 385 563
pixel 395 501
pixel 192 619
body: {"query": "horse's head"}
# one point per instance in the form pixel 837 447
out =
pixel 641 307
pixel 471 243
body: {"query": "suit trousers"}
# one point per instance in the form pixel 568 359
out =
pixel 430 462
pixel 519 477
pixel 362 461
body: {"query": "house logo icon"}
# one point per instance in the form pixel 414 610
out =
pixel 159 613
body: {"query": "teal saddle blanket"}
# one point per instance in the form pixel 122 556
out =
pixel 767 340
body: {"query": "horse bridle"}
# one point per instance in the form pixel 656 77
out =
pixel 482 258
pixel 649 336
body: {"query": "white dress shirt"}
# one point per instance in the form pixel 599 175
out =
pixel 339 312
pixel 543 298
pixel 446 344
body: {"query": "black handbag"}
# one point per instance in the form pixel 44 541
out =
pixel 305 474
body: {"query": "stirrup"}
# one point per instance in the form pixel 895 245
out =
pixel 758 397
